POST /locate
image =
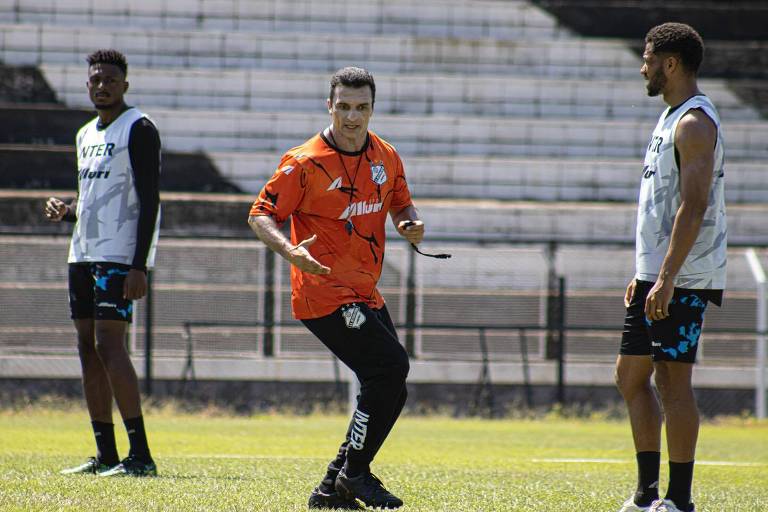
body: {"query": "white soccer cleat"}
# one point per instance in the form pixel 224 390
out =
pixel 668 506
pixel 629 506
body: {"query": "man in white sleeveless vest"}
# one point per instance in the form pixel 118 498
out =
pixel 680 267
pixel 116 215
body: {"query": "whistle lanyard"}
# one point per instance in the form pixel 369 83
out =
pixel 348 226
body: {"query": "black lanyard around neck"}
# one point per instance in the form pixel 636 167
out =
pixel 349 226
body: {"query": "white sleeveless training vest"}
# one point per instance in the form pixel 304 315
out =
pixel 107 204
pixel 704 268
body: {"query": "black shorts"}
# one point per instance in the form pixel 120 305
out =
pixel 675 338
pixel 96 291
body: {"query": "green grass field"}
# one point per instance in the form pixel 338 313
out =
pixel 271 463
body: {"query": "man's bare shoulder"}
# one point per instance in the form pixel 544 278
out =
pixel 696 128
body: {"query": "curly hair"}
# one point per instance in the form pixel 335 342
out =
pixel 680 39
pixel 353 77
pixel 113 57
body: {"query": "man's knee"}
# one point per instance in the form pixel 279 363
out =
pixel 391 372
pixel 86 349
pixel 662 382
pixel 109 346
pixel 629 382
pixel 401 366
pixel 673 380
pixel 86 341
pixel 633 373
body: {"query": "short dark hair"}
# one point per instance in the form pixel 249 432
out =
pixel 113 57
pixel 678 38
pixel 353 77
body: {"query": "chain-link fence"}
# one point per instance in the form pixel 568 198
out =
pixel 489 307
pixel 484 285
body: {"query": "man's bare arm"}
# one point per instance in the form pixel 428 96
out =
pixel 298 255
pixel 695 140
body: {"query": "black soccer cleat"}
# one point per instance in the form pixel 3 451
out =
pixel 368 489
pixel 331 501
pixel 131 466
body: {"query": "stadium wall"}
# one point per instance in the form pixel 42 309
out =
pixel 455 399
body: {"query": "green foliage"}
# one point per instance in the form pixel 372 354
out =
pixel 271 463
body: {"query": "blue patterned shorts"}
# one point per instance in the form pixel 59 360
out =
pixel 675 338
pixel 96 291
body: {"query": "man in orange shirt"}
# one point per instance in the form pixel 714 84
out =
pixel 338 188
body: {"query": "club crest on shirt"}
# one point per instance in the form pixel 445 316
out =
pixel 353 316
pixel 378 174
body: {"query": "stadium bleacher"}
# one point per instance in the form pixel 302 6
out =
pixel 500 110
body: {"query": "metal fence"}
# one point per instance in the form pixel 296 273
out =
pixel 226 303
pixel 484 285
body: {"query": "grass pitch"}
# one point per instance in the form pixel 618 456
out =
pixel 271 463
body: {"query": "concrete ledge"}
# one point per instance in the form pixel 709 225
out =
pixel 313 370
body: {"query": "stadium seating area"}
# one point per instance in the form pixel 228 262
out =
pixel 457 81
pixel 500 109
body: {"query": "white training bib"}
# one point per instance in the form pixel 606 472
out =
pixel 107 204
pixel 704 268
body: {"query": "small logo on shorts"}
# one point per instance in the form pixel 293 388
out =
pixel 353 316
pixel 106 305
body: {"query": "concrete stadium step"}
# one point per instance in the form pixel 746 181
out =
pixel 466 220
pixel 37 44
pixel 212 131
pixel 568 222
pixel 259 90
pixel 201 265
pixel 511 19
pixel 42 166
pixel 514 178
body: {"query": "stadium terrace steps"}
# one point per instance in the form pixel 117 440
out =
pixel 570 222
pixel 242 74
pixel 186 130
pixel 35 44
pixel 217 131
pixel 39 166
pixel 437 18
pixel 515 270
pixel 260 90
pixel 513 178
pixel 469 220
pixel 24 84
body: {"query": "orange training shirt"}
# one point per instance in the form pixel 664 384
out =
pixel 343 198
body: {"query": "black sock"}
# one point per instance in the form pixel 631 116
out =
pixel 647 478
pixel 106 449
pixel 680 478
pixel 138 439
